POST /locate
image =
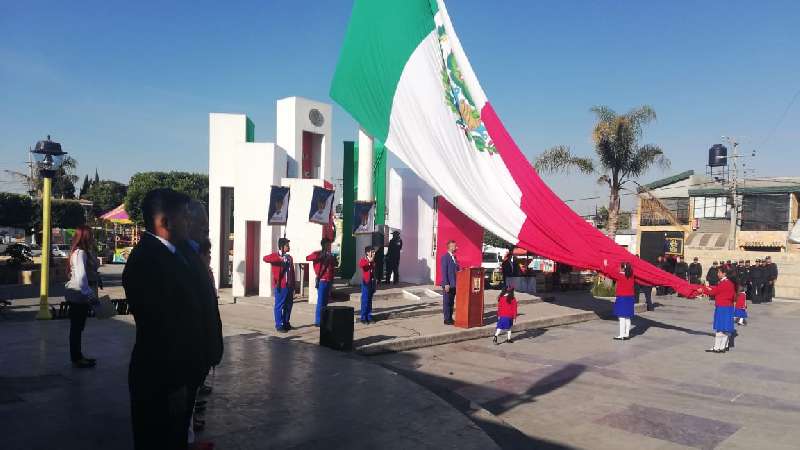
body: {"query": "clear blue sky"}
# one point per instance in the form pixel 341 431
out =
pixel 127 86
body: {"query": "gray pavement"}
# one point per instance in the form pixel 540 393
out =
pixel 268 394
pixel 574 387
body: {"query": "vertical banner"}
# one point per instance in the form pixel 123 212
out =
pixel 278 212
pixel 363 217
pixel 321 205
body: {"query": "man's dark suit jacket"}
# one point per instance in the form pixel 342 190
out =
pixel 449 269
pixel 161 296
pixel 210 332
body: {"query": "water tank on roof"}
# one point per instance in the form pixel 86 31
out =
pixel 717 156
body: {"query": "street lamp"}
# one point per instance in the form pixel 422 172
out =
pixel 48 158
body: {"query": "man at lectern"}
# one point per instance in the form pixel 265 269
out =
pixel 449 268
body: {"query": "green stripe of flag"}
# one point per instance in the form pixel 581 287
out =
pixel 381 36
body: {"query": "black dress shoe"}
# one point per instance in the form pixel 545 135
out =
pixel 83 364
pixel 712 350
pixel 494 339
pixel 510 341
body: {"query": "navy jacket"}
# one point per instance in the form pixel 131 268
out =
pixel 448 269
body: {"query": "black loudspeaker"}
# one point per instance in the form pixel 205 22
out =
pixel 336 328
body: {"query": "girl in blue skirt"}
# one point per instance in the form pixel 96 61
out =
pixel 623 306
pixel 724 296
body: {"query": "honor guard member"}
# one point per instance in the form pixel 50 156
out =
pixel 772 277
pixel 695 271
pixel 324 264
pixel 712 277
pixel 283 278
pixel 393 258
pixel 757 280
pixel 368 282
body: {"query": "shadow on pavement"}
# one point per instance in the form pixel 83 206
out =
pixel 642 324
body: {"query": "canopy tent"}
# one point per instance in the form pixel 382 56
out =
pixel 118 215
pixel 404 77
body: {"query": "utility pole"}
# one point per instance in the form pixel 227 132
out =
pixel 734 188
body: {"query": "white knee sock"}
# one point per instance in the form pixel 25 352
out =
pixel 725 339
pixel 621 327
pixel 497 332
pixel 627 327
pixel 509 334
pixel 718 341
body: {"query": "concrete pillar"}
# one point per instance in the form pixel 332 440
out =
pixel 366 159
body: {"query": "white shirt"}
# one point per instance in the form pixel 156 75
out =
pixel 78 279
pixel 166 243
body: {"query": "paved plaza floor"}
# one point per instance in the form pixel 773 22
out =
pixel 557 387
pixel 575 387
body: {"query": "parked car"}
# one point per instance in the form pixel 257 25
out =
pixel 491 262
pixel 61 250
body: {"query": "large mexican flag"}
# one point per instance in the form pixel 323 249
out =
pixel 405 78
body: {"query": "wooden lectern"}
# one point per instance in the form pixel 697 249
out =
pixel 469 297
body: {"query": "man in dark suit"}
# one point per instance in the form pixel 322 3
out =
pixel 448 268
pixel 158 282
pixel 393 257
pixel 210 332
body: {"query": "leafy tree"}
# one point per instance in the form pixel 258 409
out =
pixel 195 185
pixel 620 158
pixel 601 219
pixel 16 210
pixel 492 239
pixel 105 195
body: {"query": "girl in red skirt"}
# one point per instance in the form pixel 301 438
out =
pixel 506 313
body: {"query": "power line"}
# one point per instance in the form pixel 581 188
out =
pixel 781 118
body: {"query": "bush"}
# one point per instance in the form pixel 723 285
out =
pixel 63 214
pixel 603 287
pixel 16 210
pixel 195 185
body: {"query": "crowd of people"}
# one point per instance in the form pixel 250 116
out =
pixel 758 280
pixel 729 284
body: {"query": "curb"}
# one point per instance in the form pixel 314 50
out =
pixel 481 332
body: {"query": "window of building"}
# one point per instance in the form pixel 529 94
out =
pixel 765 212
pixel 710 207
pixel 664 211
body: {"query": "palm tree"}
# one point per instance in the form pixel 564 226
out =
pixel 620 158
pixel 63 181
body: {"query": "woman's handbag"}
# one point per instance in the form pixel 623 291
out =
pixel 103 308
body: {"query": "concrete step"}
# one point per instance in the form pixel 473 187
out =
pixel 789 292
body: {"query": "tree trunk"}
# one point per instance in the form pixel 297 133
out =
pixel 613 212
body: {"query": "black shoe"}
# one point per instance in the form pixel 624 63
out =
pixel 510 341
pixel 288 327
pixel 618 338
pixel 626 338
pixel 494 339
pixel 712 350
pixel 448 322
pixel 83 364
pixel 282 330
